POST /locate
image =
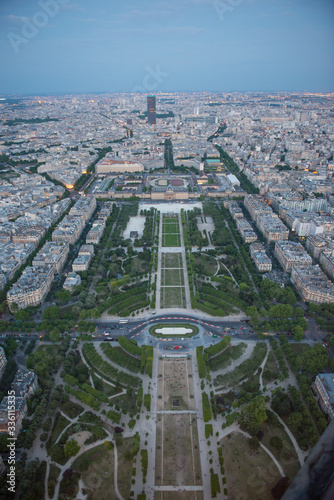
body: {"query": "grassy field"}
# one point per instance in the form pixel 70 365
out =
pixel 271 371
pixel 171 260
pixel 97 471
pixel 298 348
pixel 206 264
pixel 172 277
pixel 170 227
pixel 174 383
pixel 178 495
pixel 250 474
pixel 173 297
pixel 124 476
pixel 171 240
pixel 177 449
pixel 287 456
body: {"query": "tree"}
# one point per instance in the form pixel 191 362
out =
pixel 298 333
pixel 313 359
pixel 276 442
pixel 253 414
pixel 51 312
pixel 54 335
pixel 71 448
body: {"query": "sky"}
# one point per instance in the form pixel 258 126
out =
pixel 65 46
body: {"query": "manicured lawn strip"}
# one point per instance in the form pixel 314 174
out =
pixel 170 240
pixel 84 397
pixel 52 479
pixel 224 359
pixel 149 360
pixel 129 303
pixel 200 361
pixel 245 369
pixel 95 393
pixel 170 228
pixel 153 330
pixel 172 277
pixel 206 407
pixel 114 416
pixel 71 409
pixel 59 425
pixel 108 371
pixel 118 356
pixel 171 260
pixel 130 347
pixel 172 297
pixel 215 349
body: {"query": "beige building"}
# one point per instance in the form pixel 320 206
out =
pixel 111 165
pixel 32 287
pixel 3 361
pixel 312 284
pixel 290 253
pixel 324 384
pixel 260 258
pixel 53 253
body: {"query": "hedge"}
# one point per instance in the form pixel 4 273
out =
pixel 139 397
pixel 200 361
pixel 69 379
pixel 84 397
pixel 114 416
pixel 147 401
pixel 208 431
pixel 94 392
pixel 130 347
pixel 214 483
pixel 108 371
pixel 206 407
pixel 118 356
pixel 215 349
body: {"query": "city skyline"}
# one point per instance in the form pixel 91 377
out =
pixel 56 46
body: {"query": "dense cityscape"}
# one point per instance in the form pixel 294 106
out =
pixel 166 250
pixel 144 238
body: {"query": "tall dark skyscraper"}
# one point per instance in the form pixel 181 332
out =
pixel 151 115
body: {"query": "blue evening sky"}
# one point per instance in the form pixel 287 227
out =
pixel 54 46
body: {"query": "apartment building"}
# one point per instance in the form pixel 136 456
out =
pixel 234 209
pixel 81 263
pixel 245 229
pixel 53 253
pixel 316 244
pixel 84 207
pixel 256 206
pixel 20 410
pixel 95 234
pixel 69 230
pixel 290 253
pixel 32 287
pixel 324 384
pixel 327 261
pixel 3 361
pixel 71 281
pixel 260 258
pixel 312 284
pixel 86 250
pixel 25 384
pixel 272 228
